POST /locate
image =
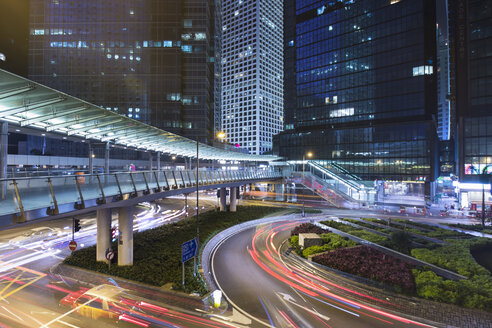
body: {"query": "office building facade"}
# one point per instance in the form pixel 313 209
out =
pixel 473 53
pixel 149 60
pixel 362 90
pixel 252 72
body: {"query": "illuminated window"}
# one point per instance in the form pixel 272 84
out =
pixel 423 70
pixel 342 112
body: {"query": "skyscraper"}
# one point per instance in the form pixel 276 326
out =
pixel 473 55
pixel 444 117
pixel 252 72
pixel 362 87
pixel 147 59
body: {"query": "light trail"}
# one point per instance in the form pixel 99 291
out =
pixel 314 288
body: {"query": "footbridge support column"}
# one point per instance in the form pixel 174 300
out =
pixel 4 146
pixel 125 238
pixel 223 199
pixel 233 199
pixel 106 159
pixel 103 221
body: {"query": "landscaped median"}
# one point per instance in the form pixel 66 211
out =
pixel 157 252
pixel 413 279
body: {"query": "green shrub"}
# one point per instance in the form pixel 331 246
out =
pixel 401 241
pixel 455 257
pixel 369 236
pixel 157 252
pixel 358 232
pixel 473 293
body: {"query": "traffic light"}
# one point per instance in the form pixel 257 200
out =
pixel 114 234
pixel 76 225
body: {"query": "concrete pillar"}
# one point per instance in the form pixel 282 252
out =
pixel 223 199
pixel 150 161
pixel 233 199
pixel 106 159
pixel 4 147
pixel 125 238
pixel 91 159
pixel 103 221
pixel 158 161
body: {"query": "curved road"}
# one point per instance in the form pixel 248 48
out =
pixel 276 292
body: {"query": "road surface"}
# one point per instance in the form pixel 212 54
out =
pixel 257 280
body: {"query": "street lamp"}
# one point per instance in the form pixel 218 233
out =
pixel 220 135
pixel 309 155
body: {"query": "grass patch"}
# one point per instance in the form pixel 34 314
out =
pixel 157 252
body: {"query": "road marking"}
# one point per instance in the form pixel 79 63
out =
pixel 225 295
pixel 69 312
pixel 68 324
pixel 288 298
pixel 12 313
pixel 10 283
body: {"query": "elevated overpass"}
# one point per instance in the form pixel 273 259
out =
pixel 35 198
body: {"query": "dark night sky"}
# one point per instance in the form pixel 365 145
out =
pixel 14 34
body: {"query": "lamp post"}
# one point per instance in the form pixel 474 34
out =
pixel 220 135
pixel 309 155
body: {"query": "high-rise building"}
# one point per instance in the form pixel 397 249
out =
pixel 473 55
pixel 252 72
pixel 150 60
pixel 444 117
pixel 362 88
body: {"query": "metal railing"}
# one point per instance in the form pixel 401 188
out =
pixel 19 195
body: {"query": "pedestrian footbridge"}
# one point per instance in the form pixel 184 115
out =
pixel 26 199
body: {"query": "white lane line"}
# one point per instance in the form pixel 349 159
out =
pixel 64 315
pixel 68 324
pixel 15 315
pixel 228 298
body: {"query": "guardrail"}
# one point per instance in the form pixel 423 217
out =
pixel 19 195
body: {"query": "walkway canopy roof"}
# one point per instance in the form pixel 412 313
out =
pixel 26 103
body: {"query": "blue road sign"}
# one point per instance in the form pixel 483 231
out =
pixel 189 250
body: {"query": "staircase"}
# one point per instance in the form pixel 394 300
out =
pixel 337 185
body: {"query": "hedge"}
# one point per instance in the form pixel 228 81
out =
pixel 475 292
pixel 157 252
pixel 358 232
pixel 331 241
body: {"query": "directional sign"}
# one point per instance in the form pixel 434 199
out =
pixel 109 254
pixel 189 250
pixel 72 245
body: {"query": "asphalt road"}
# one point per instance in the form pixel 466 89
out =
pixel 274 293
pixel 30 295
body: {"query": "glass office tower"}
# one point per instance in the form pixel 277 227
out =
pixel 363 86
pixel 252 72
pixel 473 53
pixel 150 60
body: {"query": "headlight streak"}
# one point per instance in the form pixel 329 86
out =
pixel 61 240
pixel 266 311
pixel 295 274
